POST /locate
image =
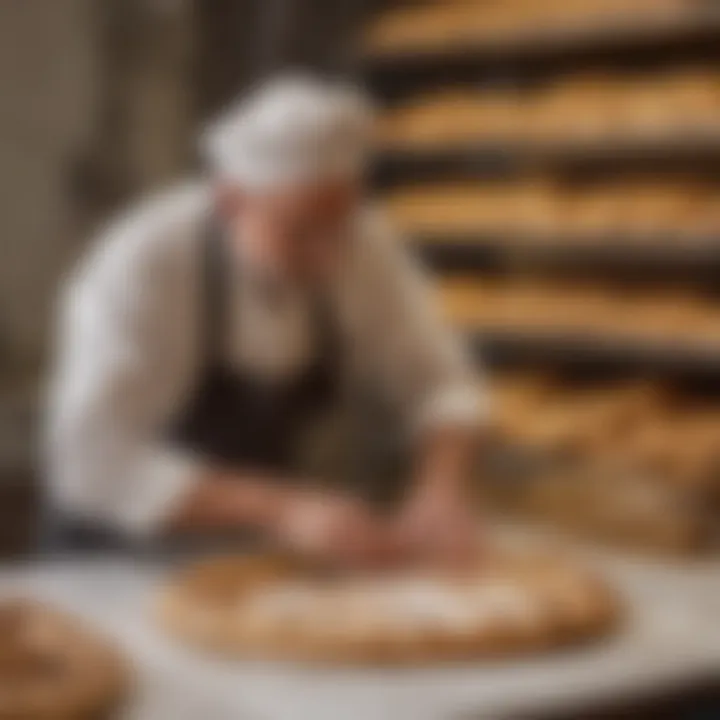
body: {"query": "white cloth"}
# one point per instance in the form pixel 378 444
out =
pixel 291 130
pixel 129 350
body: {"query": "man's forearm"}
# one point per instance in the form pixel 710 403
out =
pixel 224 502
pixel 313 523
pixel 438 522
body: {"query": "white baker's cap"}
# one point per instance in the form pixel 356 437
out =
pixel 291 130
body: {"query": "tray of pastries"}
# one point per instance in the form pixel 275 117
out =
pixel 636 424
pixel 673 321
pixel 543 211
pixel 609 505
pixel 629 461
pixel 582 111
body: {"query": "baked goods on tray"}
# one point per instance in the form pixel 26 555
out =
pixel 633 463
pixel 53 668
pixel 431 26
pixel 545 211
pixel 261 608
pixel 583 311
pixel 585 108
pixel 605 504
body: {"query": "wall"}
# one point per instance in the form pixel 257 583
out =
pixel 47 75
pixel 96 107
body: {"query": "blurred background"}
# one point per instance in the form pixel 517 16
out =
pixel 555 164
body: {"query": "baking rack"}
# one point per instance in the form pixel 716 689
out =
pixel 689 38
pixel 664 259
pixel 394 72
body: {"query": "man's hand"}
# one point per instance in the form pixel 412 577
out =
pixel 321 525
pixel 439 527
pixel 336 529
pixel 438 523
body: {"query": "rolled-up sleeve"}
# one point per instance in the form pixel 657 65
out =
pixel 425 365
pixel 121 371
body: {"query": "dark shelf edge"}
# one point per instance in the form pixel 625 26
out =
pixel 396 165
pixel 697 260
pixel 501 348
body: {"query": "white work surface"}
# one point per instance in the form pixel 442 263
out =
pixel 672 638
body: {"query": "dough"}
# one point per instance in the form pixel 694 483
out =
pixel 511 605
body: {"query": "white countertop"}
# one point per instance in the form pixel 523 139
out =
pixel 672 638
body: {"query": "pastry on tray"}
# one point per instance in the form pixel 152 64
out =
pixel 587 108
pixel 641 211
pixel 427 26
pixel 266 609
pixel 53 668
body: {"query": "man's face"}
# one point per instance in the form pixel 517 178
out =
pixel 299 231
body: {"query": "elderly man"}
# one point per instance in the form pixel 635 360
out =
pixel 211 327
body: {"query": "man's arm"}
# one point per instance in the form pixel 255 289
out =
pixel 225 501
pixel 124 369
pixel 421 361
pixel 445 461
pixel 127 354
pixel 428 374
pixel 315 524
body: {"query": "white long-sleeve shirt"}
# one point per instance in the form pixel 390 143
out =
pixel 130 350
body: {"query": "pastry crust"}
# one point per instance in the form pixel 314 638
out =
pixel 510 606
pixel 53 668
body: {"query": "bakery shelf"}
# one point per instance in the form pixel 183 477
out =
pixel 398 164
pixel 505 347
pixel 662 258
pixel 694 26
pixel 686 40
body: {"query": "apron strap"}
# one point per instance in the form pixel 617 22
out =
pixel 326 333
pixel 214 295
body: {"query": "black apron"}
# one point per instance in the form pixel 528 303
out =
pixel 236 419
pixel 233 419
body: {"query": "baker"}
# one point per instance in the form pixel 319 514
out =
pixel 212 326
